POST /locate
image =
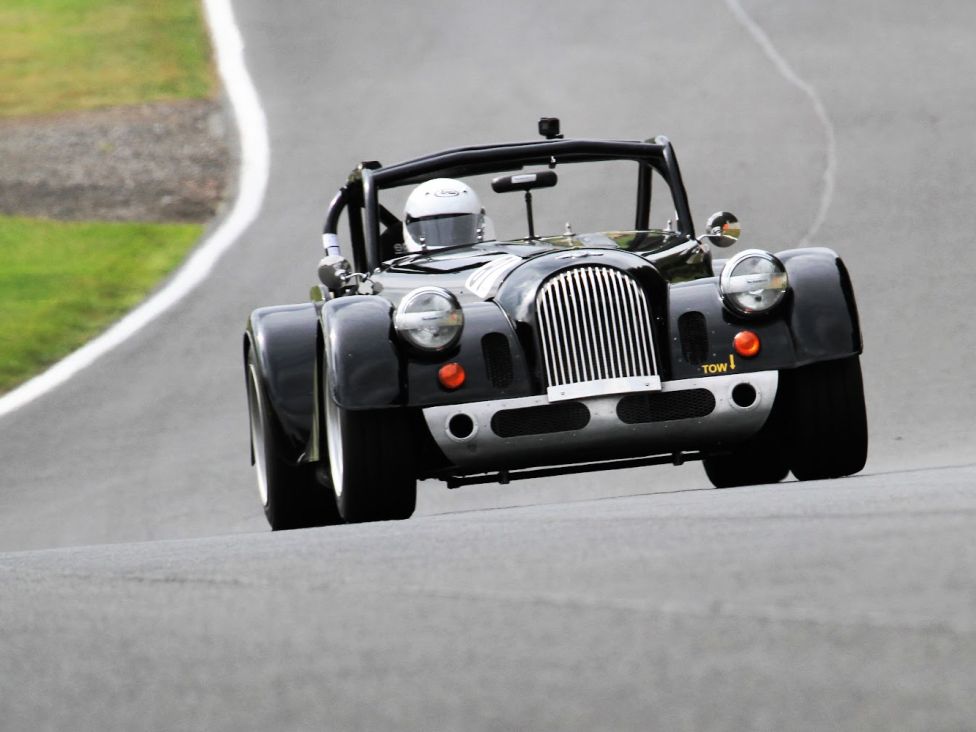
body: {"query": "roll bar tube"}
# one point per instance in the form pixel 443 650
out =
pixel 361 191
pixel 678 192
pixel 371 207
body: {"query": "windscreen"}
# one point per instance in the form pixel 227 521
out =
pixel 588 197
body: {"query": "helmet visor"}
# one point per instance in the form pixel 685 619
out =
pixel 446 230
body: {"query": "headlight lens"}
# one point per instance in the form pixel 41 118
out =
pixel 753 282
pixel 429 318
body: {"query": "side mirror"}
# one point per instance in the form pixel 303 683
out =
pixel 722 229
pixel 333 272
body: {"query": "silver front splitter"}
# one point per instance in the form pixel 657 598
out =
pixel 465 435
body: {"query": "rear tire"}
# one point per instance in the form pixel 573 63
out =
pixel 828 425
pixel 371 461
pixel 291 495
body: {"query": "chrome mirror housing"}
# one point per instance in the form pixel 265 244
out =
pixel 722 229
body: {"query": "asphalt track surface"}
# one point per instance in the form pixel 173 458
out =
pixel 140 589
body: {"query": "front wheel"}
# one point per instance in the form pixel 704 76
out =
pixel 760 459
pixel 370 462
pixel 829 427
pixel 290 493
pixel 750 464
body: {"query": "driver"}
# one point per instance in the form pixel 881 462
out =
pixel 441 213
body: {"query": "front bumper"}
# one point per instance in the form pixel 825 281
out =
pixel 690 414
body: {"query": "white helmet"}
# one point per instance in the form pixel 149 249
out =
pixel 440 213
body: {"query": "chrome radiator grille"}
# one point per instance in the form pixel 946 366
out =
pixel 595 324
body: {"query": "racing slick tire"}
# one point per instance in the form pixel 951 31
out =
pixel 370 459
pixel 292 496
pixel 828 425
pixel 759 460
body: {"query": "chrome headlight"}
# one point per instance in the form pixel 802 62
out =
pixel 753 282
pixel 429 318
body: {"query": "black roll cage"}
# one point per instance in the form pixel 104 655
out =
pixel 360 193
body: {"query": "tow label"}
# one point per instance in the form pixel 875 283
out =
pixel 720 368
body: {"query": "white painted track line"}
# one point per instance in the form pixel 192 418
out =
pixel 253 177
pixel 787 72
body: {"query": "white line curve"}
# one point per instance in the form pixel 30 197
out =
pixel 255 158
pixel 787 72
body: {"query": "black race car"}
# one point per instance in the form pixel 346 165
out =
pixel 443 350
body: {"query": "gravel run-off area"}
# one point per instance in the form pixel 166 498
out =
pixel 153 162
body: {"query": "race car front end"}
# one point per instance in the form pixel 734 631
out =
pixel 611 378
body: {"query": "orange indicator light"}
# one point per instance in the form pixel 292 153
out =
pixel 746 343
pixel 451 375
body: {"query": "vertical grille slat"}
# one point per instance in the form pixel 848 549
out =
pixel 586 317
pixel 626 333
pixel 582 326
pixel 614 337
pixel 568 318
pixel 605 332
pixel 643 324
pixel 548 329
pixel 598 315
pixel 595 323
pixel 582 356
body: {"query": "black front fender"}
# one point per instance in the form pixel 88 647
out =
pixel 823 313
pixel 362 361
pixel 818 321
pixel 283 340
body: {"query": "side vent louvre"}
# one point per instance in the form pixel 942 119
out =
pixel 498 360
pixel 693 334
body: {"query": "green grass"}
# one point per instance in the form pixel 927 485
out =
pixel 63 55
pixel 62 283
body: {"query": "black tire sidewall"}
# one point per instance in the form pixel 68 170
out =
pixel 760 459
pixel 378 479
pixel 828 420
pixel 296 499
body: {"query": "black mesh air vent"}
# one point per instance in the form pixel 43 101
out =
pixel 665 406
pixel 498 360
pixel 693 334
pixel 540 420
